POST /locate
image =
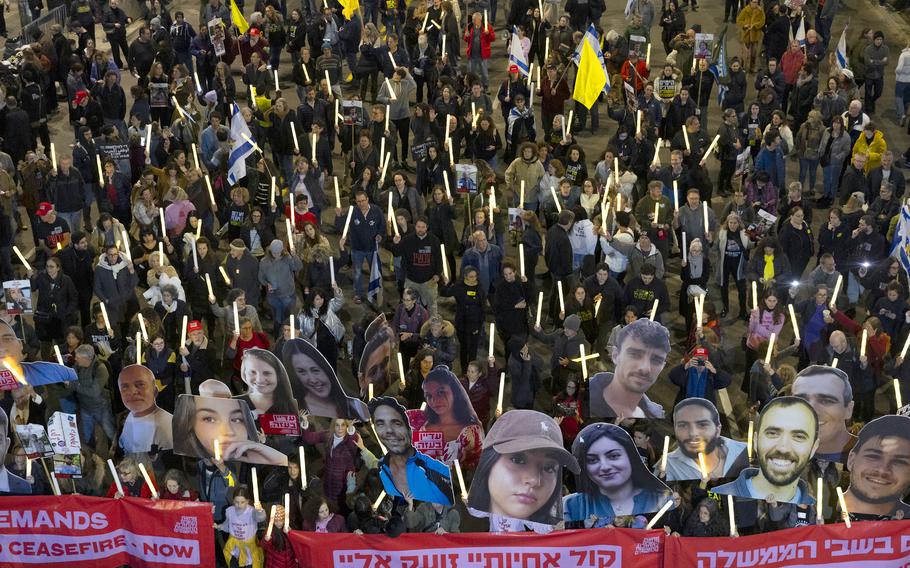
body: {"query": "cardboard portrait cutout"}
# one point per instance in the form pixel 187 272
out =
pixel 697 428
pixel 519 475
pixel 786 438
pixel 201 420
pixel 269 394
pixel 315 384
pixel 374 368
pixel 147 427
pixel 16 485
pixel 15 371
pixel 879 467
pixel 405 471
pixel 446 427
pixel 829 392
pixel 611 465
pixel 640 355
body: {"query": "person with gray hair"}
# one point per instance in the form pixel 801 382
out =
pixel 92 394
pixel 171 309
pixel 486 257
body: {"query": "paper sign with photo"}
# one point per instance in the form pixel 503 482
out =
pixel 18 296
pixel 703 45
pixel 63 433
pixel 374 368
pixel 352 112
pixel 316 386
pixel 448 412
pixel 34 440
pixel 201 420
pixel 466 177
pixel 68 465
pixel 519 475
pixel 405 471
pixel 623 391
pixel 611 469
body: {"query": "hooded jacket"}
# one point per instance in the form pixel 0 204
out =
pixel 445 347
pixel 873 148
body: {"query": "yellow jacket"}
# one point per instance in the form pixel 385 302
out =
pixel 874 150
pixel 751 21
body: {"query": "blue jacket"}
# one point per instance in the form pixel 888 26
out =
pixel 487 264
pixel 773 163
pixel 428 479
pixel 364 228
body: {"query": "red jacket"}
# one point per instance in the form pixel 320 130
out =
pixel 487 37
pixel 130 488
pixel 877 346
pixel 278 558
pixel 640 77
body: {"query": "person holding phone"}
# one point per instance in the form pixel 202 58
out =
pixel 697 376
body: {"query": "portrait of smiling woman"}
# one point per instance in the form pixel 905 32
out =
pixel 613 480
pixel 315 384
pixel 520 471
pixel 449 411
pixel 267 384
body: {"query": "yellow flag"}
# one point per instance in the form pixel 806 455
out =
pixel 349 7
pixel 237 18
pixel 591 77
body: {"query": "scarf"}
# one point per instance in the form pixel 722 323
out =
pixel 768 274
pixel 115 269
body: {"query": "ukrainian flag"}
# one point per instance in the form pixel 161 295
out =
pixel 591 77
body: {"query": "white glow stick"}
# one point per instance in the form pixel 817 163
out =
pixel 676 195
pixel 730 512
pixel 569 122
pixel 224 275
pixel 502 389
pixel 521 195
pixel 793 321
pixel 521 258
pixel 28 468
pixel 654 309
pixel 100 169
pixel 277 87
pixel 107 321
pixel 401 375
pixel 116 476
pixel 539 308
pixel 492 338
pixel 562 299
pixel 770 348
pixel 819 504
pixel 313 147
pixel 195 253
pixel 144 330
pixel 663 511
pixel 641 115
pixel 445 178
pixel 268 531
pixel 754 295
pixel 834 362
pixel 255 483
pixel 306 72
pixel 29 266
pixel 287 513
pixel 195 156
pixel 862 345
pixel 445 264
pixel 388 85
pixel 584 361
pixel 148 140
pixel 703 466
pixel 464 491
pixel 378 500
pixel 139 347
pixel 186 321
pixel 897 394
pixel 126 246
pixel 196 80
pixel 704 208
pixel 663 458
pixel 843 506
pixel 684 248
pixel 837 285
pixel 332 270
pixel 749 439
pixel 293 333
pixel 370 392
pixel 217 448
pixel 905 348
pixel 294 136
pixel 656 160
pixel 290 231
pixel 347 222
pixel 328 82
pixel 148 480
pixel 303 482
pixel 648 56
pixel 208 186
pixel 236 319
pixel 686 138
pixel 53 156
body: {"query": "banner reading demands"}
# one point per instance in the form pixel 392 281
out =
pixel 593 548
pixel 91 532
pixel 882 544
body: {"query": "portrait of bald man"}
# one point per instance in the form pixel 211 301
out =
pixel 147 427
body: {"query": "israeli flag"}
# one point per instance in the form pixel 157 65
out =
pixel 628 10
pixel 900 246
pixel 801 33
pixel 374 289
pixel 517 55
pixel 240 147
pixel 840 53
pixel 592 38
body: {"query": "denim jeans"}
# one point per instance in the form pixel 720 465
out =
pixel 481 68
pixel 854 288
pixel 359 257
pixel 101 416
pixel 281 308
pixel 73 219
pixel 810 168
pixel 830 175
pixel 901 98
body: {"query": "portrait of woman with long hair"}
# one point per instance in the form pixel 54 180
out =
pixel 613 480
pixel 315 384
pixel 448 410
pixel 266 380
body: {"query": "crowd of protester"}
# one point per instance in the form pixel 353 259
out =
pixel 144 237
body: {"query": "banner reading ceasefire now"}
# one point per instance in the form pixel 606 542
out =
pixel 92 532
pixel 595 548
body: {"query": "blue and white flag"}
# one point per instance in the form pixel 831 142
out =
pixel 840 52
pixel 240 146
pixel 628 10
pixel 517 55
pixel 900 246
pixel 719 68
pixel 594 41
pixel 374 290
pixel 801 33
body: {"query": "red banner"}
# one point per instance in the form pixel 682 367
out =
pixel 595 548
pixel 880 544
pixel 92 532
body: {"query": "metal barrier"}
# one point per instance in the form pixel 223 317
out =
pixel 54 16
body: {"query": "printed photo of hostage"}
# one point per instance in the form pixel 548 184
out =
pixel 830 393
pixel 315 384
pixel 405 472
pixel 613 481
pixel 201 420
pixel 786 438
pixel 449 412
pixel 147 428
pixel 879 467
pixel 519 477
pixel 640 354
pixel 268 388
pixel 696 425
pixel 380 339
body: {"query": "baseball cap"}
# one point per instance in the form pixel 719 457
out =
pixel 700 352
pixel 44 208
pixel 523 430
pixel 194 325
pixel 513 68
pixel 573 322
pixel 79 97
pixel 254 32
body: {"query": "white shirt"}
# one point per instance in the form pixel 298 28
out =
pixel 4 479
pixel 140 434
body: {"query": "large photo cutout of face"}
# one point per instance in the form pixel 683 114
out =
pixel 786 438
pixel 613 480
pixel 201 420
pixel 447 428
pixel 374 367
pixel 519 475
pixel 696 426
pixel 879 467
pixel 829 392
pixel 148 426
pixel 640 354
pixel 268 388
pixel 405 471
pixel 315 384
